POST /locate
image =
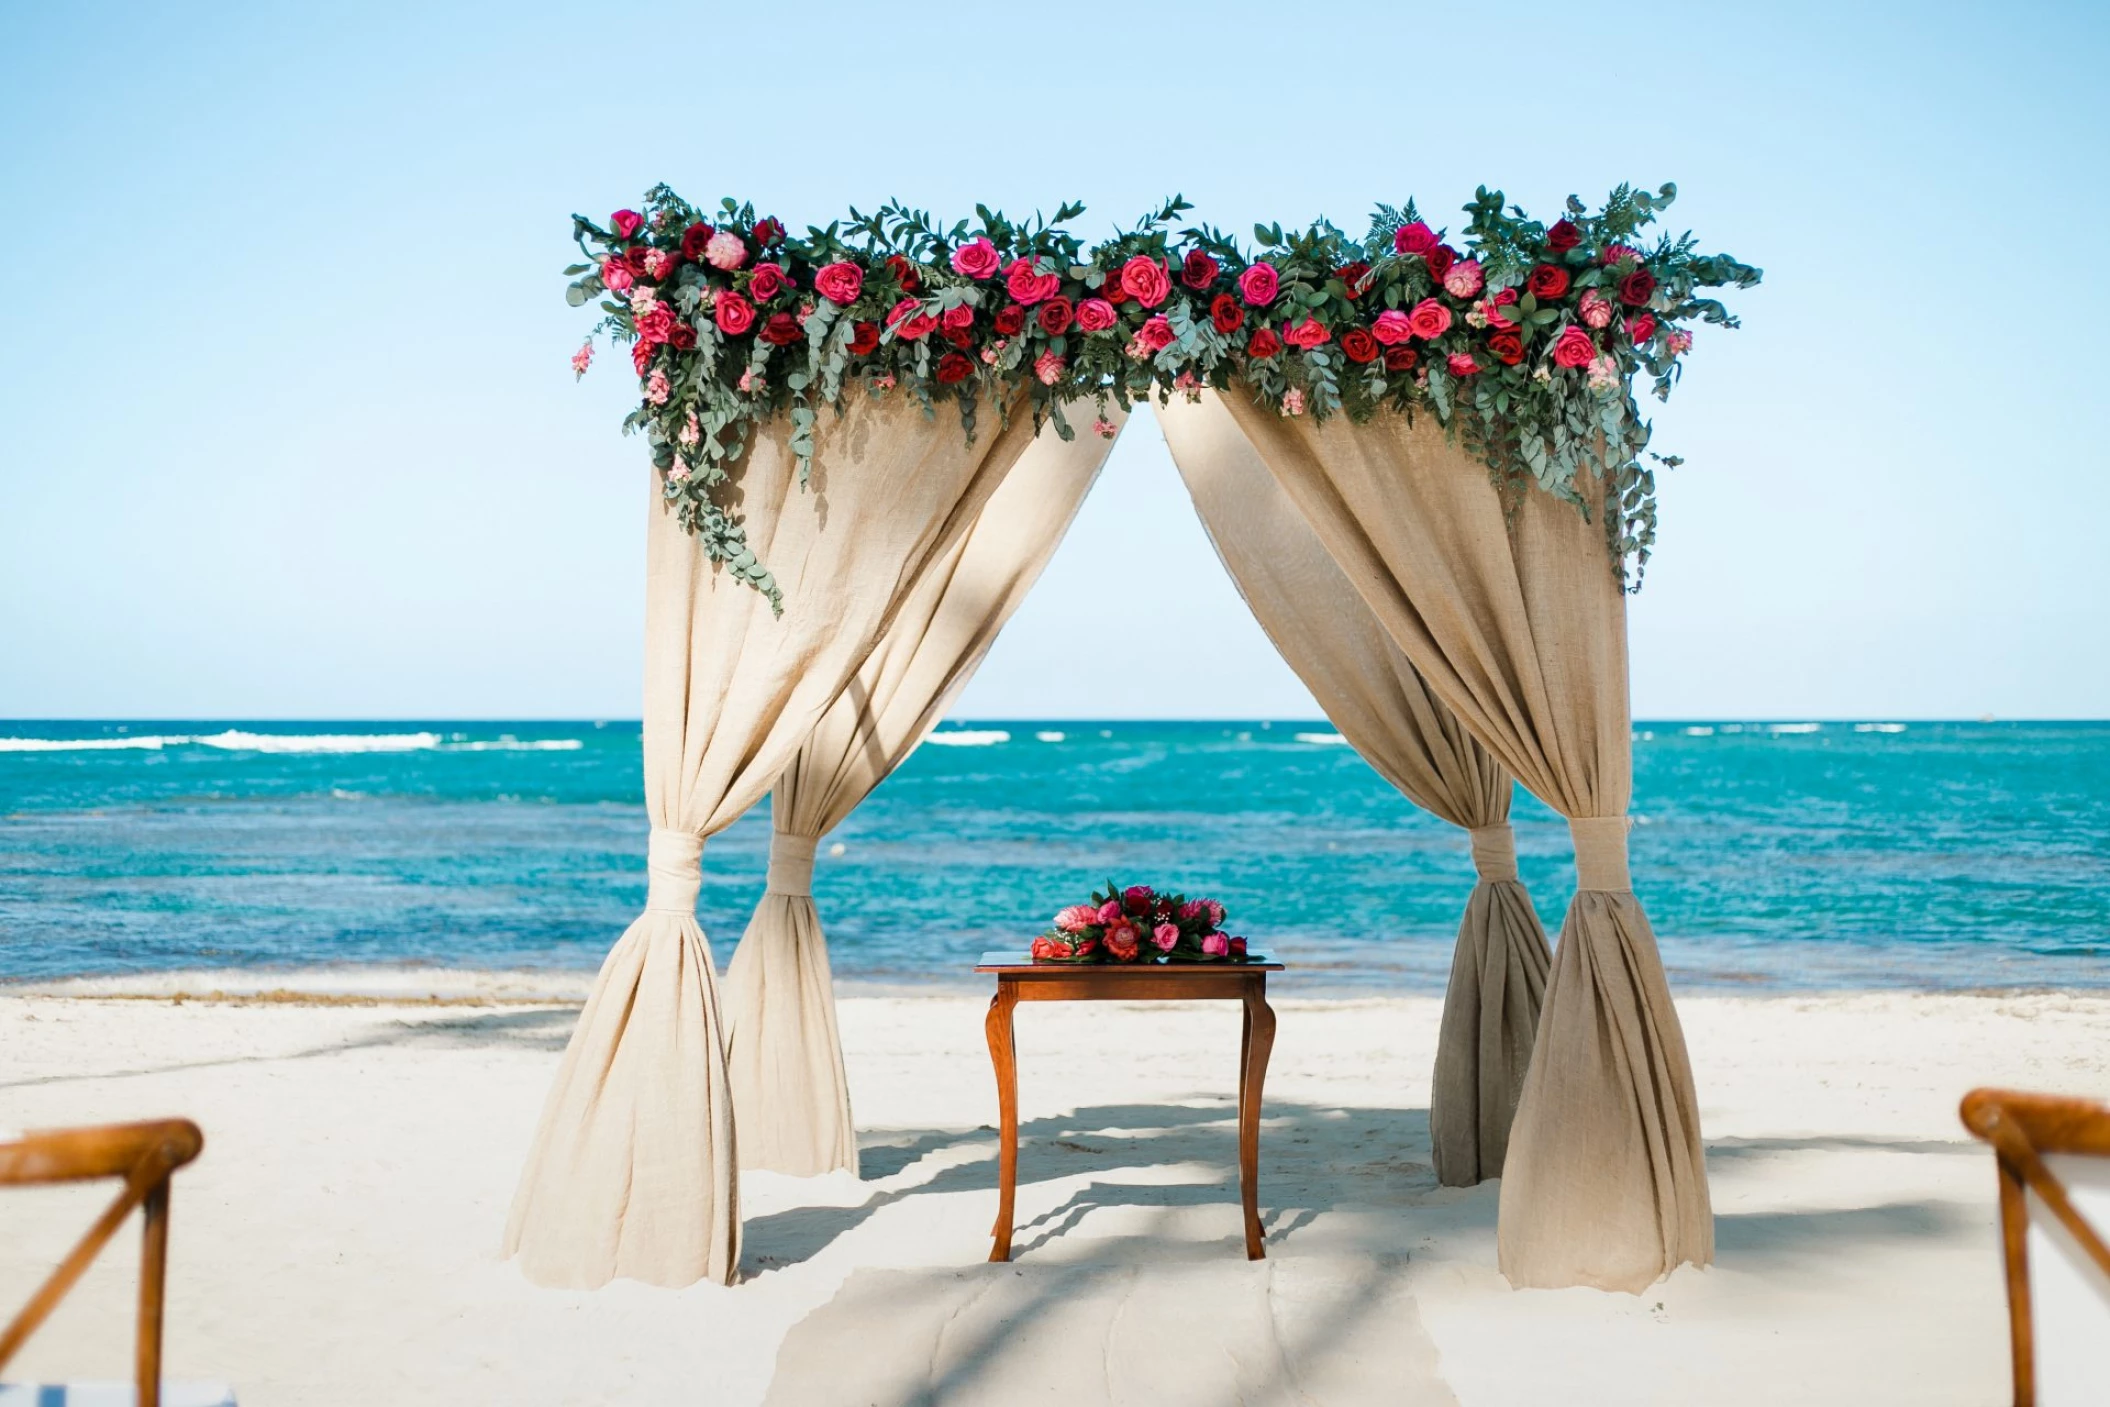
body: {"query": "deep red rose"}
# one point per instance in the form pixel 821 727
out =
pixel 1637 288
pixel 1307 334
pixel 1353 275
pixel 1236 947
pixel 959 315
pixel 865 339
pixel 634 259
pixel 960 336
pixel 1400 358
pixel 1416 238
pixel 1507 347
pixel 1546 282
pixel 1145 279
pixel 1264 344
pixel 782 330
pixel 1112 291
pixel 767 283
pixel 1010 319
pixel 693 239
pixel 1358 345
pixel 1563 237
pixel 1056 315
pixel 904 272
pixel 734 313
pixel 1226 314
pixel 641 356
pixel 1440 260
pixel 1198 270
pixel 953 368
pixel 627 223
pixel 768 230
pixel 656 326
pixel 683 337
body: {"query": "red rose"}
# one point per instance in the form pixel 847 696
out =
pixel 1226 314
pixel 1236 947
pixel 1263 345
pixel 1429 320
pixel 1637 288
pixel 1028 285
pixel 782 330
pixel 693 239
pixel 627 223
pixel 953 368
pixel 1156 334
pixel 1563 236
pixel 683 337
pixel 1547 282
pixel 641 356
pixel 1045 947
pixel 1573 348
pixel 1112 291
pixel 768 230
pixel 840 283
pixel 1056 315
pixel 1010 319
pixel 1358 345
pixel 1640 329
pixel 960 336
pixel 1504 298
pixel 958 316
pixel 1198 271
pixel 909 321
pixel 865 339
pixel 734 314
pixel 656 326
pixel 1400 358
pixel 1416 238
pixel 904 273
pixel 1307 334
pixel 1440 260
pixel 634 259
pixel 1145 279
pixel 1507 347
pixel 1462 364
pixel 767 283
pixel 1353 275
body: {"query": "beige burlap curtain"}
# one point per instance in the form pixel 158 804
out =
pixel 1512 615
pixel 634 1171
pixel 783 1053
pixel 1371 693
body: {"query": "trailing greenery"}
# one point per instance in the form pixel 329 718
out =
pixel 1523 340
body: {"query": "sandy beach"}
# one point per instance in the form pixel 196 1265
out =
pixel 337 1241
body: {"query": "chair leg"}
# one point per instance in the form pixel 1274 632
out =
pixel 153 1279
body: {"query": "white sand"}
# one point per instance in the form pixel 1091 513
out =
pixel 336 1243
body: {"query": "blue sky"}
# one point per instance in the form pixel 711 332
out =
pixel 286 427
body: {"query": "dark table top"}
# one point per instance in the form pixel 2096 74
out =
pixel 1023 964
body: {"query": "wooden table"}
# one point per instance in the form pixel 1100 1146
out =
pixel 1020 979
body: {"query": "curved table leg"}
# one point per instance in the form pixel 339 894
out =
pixel 1260 1040
pixel 1003 1056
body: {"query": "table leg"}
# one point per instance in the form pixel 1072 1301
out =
pixel 1245 1053
pixel 1260 1040
pixel 1003 1056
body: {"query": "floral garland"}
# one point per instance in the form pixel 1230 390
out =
pixel 1138 924
pixel 1524 343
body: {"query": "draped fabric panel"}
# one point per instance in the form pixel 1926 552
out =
pixel 784 1055
pixel 1512 614
pixel 1371 693
pixel 633 1170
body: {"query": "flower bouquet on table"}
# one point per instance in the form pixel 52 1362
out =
pixel 1138 924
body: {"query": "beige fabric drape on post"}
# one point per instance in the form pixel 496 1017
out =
pixel 783 1053
pixel 633 1171
pixel 1514 617
pixel 1371 693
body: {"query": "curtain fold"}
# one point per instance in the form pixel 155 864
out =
pixel 1512 614
pixel 1370 692
pixel 633 1169
pixel 784 1055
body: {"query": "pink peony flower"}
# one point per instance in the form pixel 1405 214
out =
pixel 1259 284
pixel 627 223
pixel 977 259
pixel 616 274
pixel 1640 329
pixel 840 283
pixel 725 250
pixel 1028 285
pixel 1574 347
pixel 1216 945
pixel 658 388
pixel 1049 368
pixel 1595 309
pixel 1464 279
pixel 583 358
pixel 1105 429
pixel 1462 364
pixel 1416 238
pixel 1391 327
pixel 1429 320
pixel 1096 315
pixel 1166 936
pixel 1156 334
pixel 1076 917
pixel 1293 402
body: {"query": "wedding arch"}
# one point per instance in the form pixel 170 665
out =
pixel 1422 463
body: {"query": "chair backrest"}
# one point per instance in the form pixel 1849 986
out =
pixel 144 1156
pixel 2053 1155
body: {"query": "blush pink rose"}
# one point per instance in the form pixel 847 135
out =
pixel 725 250
pixel 1166 936
pixel 1096 315
pixel 1259 284
pixel 1392 326
pixel 1464 279
pixel 616 274
pixel 1429 320
pixel 1028 285
pixel 1416 238
pixel 977 259
pixel 1216 945
pixel 1144 279
pixel 733 313
pixel 840 283
pixel 1574 347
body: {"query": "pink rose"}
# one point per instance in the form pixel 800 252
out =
pixel 1464 279
pixel 725 250
pixel 1640 329
pixel 1049 368
pixel 1429 320
pixel 958 318
pixel 734 313
pixel 1391 326
pixel 1166 936
pixel 1216 945
pixel 767 283
pixel 1156 334
pixel 1076 917
pixel 1573 347
pixel 627 223
pixel 616 274
pixel 909 321
pixel 1462 364
pixel 656 325
pixel 1096 315
pixel 840 283
pixel 1595 309
pixel 977 259
pixel 1028 286
pixel 1110 911
pixel 1306 334
pixel 1259 284
pixel 1145 280
pixel 1416 238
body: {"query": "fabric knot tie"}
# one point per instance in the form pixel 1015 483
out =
pixel 1600 853
pixel 674 863
pixel 791 864
pixel 1494 851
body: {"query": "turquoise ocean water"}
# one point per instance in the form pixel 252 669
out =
pixel 1770 856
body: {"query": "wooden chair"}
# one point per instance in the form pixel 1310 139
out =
pixel 2024 1129
pixel 144 1155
